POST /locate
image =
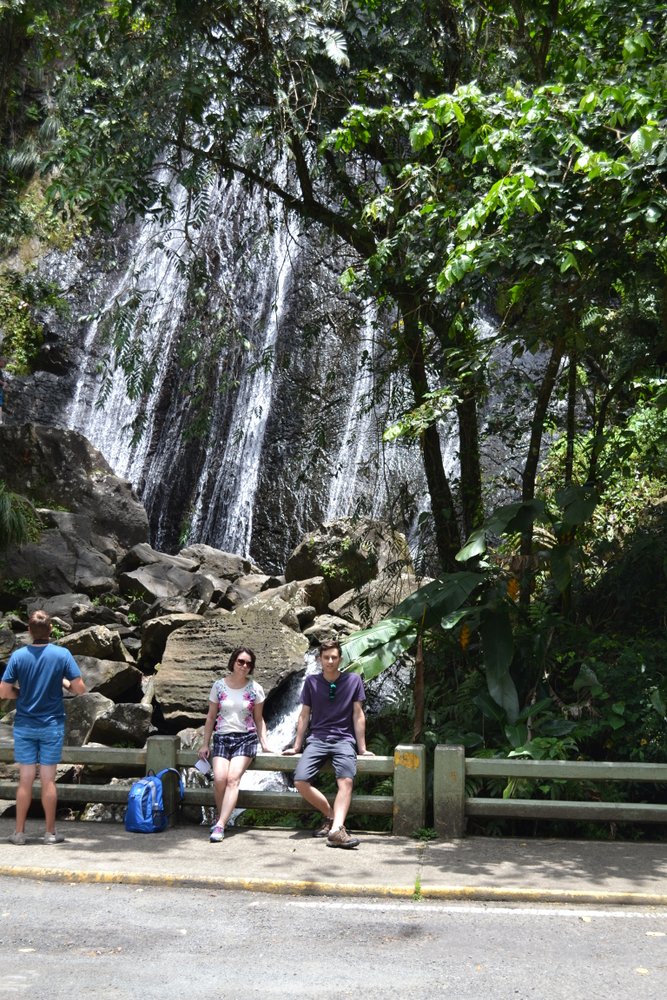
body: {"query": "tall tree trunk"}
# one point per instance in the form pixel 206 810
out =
pixel 471 473
pixel 567 537
pixel 447 537
pixel 570 419
pixel 532 458
pixel 418 727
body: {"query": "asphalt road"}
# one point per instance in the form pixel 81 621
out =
pixel 118 942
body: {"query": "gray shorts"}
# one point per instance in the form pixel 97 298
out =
pixel 341 753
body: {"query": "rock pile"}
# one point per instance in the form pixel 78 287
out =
pixel 150 630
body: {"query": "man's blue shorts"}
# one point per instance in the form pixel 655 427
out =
pixel 41 745
pixel 341 753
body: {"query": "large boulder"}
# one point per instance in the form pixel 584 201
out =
pixel 348 553
pixel 123 724
pixel 156 631
pixel 375 600
pixel 90 516
pixel 116 680
pixel 328 627
pixel 82 713
pixel 170 584
pixel 214 562
pixel 197 653
pixel 59 606
pixel 66 557
pixel 92 718
pixel 98 641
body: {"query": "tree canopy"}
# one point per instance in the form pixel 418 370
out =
pixel 505 159
pixel 506 156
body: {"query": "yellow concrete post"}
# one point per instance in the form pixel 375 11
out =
pixel 449 793
pixel 160 753
pixel 409 789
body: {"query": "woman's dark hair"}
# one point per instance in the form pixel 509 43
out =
pixel 235 653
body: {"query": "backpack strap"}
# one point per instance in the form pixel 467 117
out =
pixel 172 770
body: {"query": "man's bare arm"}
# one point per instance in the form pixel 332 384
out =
pixel 301 730
pixel 359 724
pixel 7 691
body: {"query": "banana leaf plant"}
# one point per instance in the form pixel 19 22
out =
pixel 478 598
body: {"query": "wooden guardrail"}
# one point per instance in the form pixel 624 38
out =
pixel 406 806
pixel 452 805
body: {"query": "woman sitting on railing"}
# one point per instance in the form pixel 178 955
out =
pixel 235 720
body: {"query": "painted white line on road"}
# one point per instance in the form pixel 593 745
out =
pixel 581 912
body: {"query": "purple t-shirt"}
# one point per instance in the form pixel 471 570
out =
pixel 332 716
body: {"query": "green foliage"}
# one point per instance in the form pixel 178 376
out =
pixel 24 585
pixel 19 522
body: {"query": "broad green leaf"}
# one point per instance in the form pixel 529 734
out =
pixel 421 136
pixel 376 636
pixel 372 663
pixel 475 546
pixel 586 679
pixel 438 599
pixel 505 520
pixel 498 651
pixel 577 504
pixel 658 702
pixel 561 563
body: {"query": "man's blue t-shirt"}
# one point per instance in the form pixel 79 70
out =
pixel 39 672
pixel 331 705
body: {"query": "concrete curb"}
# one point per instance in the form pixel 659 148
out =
pixel 314 888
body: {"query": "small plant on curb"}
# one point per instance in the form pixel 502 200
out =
pixel 417 894
pixel 425 833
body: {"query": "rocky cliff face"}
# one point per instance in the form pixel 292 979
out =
pixel 250 381
pixel 89 516
pixel 150 630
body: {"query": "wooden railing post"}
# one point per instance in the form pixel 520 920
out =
pixel 449 792
pixel 409 789
pixel 160 753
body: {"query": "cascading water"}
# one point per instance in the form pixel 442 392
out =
pixel 229 521
pixel 289 436
pixel 156 274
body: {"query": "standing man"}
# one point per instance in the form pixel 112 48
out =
pixel 35 677
pixel 331 702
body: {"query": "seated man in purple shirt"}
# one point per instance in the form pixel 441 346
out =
pixel 331 703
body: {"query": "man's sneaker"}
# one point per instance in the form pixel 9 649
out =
pixel 17 838
pixel 325 829
pixel 53 838
pixel 341 838
pixel 217 834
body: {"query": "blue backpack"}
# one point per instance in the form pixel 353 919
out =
pixel 145 804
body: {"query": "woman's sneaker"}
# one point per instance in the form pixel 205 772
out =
pixel 341 838
pixel 217 834
pixel 17 838
pixel 53 838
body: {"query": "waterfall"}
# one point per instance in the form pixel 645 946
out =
pixel 229 522
pixel 290 435
pixel 156 275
